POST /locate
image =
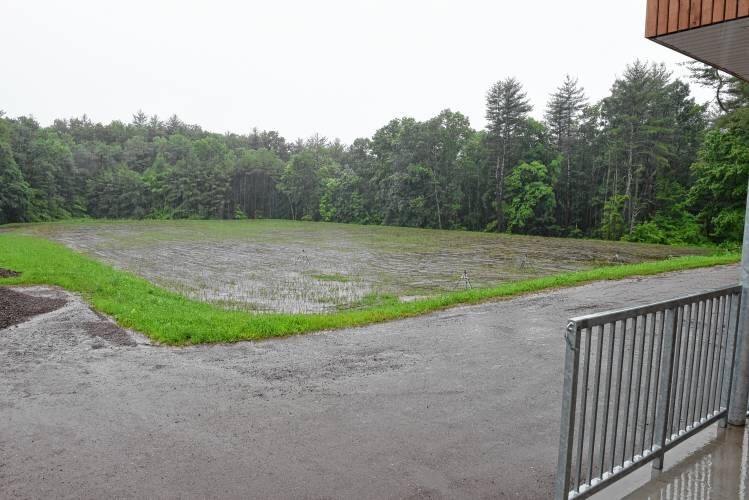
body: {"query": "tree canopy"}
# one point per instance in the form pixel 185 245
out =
pixel 645 163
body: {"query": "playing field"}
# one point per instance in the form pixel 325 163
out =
pixel 301 267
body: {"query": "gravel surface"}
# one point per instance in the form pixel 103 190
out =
pixel 463 403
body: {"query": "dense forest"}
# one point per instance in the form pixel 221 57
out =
pixel 646 163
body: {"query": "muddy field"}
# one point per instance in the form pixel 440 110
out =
pixel 289 266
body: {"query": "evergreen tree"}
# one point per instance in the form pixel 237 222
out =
pixel 730 93
pixel 563 116
pixel 719 191
pixel 507 107
pixel 14 191
pixel 642 124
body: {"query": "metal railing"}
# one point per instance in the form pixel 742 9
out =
pixel 639 381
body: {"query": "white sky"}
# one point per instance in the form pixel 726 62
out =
pixel 339 68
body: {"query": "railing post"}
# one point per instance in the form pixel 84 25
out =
pixel 569 402
pixel 737 404
pixel 666 366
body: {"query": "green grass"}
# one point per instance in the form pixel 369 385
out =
pixel 170 318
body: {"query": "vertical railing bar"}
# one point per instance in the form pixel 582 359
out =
pixel 706 376
pixel 657 377
pixel 723 347
pixel 583 408
pixel 708 396
pixel 664 389
pixel 619 371
pixel 607 394
pixel 681 313
pixel 699 381
pixel 683 396
pixel 569 399
pixel 678 316
pixel 675 377
pixel 706 343
pixel 730 355
pixel 722 354
pixel 596 392
pixel 683 359
pixel 703 376
pixel 633 349
pixel 653 322
pixel 711 370
pixel 636 413
pixel 646 407
pixel 692 359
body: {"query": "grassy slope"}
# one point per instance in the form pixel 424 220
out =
pixel 172 319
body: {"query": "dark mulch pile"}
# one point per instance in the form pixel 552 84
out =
pixel 7 273
pixel 109 332
pixel 17 307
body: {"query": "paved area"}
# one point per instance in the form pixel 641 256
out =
pixel 463 403
pixel 712 465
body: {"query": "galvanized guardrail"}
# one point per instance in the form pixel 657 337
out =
pixel 638 382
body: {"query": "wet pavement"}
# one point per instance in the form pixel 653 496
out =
pixel 463 403
pixel 712 465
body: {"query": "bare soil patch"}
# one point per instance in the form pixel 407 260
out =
pixel 17 307
pixel 8 273
pixel 108 331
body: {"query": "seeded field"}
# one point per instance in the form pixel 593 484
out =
pixel 304 267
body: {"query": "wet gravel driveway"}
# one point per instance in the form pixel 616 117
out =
pixel 462 403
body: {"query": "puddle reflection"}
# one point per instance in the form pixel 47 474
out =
pixel 715 470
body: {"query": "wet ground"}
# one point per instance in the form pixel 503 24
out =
pixel 287 266
pixel 713 465
pixel 463 403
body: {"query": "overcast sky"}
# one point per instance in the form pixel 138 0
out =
pixel 339 68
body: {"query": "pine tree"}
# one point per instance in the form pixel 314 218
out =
pixel 563 115
pixel 507 107
pixel 730 92
pixel 14 191
pixel 645 118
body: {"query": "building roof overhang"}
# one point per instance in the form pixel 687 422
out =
pixel 724 45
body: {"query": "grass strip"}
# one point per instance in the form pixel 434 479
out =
pixel 170 318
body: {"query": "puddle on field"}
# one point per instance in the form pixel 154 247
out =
pixel 282 266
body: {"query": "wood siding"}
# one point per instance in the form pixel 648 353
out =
pixel 670 16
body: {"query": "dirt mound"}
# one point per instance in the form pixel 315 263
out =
pixel 17 307
pixel 8 273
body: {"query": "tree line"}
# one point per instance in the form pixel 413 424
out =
pixel 645 163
